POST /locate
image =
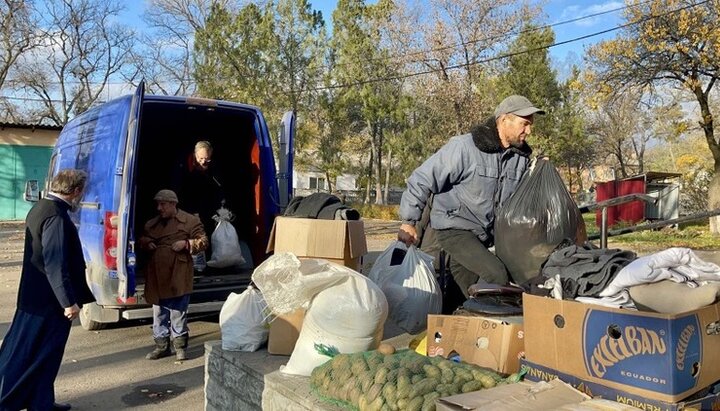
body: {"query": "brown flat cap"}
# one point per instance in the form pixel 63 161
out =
pixel 166 195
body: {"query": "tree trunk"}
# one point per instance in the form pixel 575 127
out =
pixel 376 139
pixel 706 123
pixel 329 182
pixel 369 178
pixel 386 195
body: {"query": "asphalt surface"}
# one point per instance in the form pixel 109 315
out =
pixel 107 369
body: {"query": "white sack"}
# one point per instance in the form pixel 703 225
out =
pixel 346 310
pixel 226 250
pixel 243 321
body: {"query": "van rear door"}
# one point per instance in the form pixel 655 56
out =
pixel 125 237
pixel 286 156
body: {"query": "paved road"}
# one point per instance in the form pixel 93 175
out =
pixel 106 370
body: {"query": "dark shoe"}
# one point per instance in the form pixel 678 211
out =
pixel 61 407
pixel 180 344
pixel 162 349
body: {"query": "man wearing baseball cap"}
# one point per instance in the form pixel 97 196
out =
pixel 170 238
pixel 469 179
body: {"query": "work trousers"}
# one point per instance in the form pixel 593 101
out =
pixel 170 317
pixel 470 260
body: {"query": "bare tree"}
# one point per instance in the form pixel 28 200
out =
pixel 81 49
pixel 622 128
pixel 165 57
pixel 17 34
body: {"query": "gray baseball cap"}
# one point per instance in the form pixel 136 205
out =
pixel 166 195
pixel 518 105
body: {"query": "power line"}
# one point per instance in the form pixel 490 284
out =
pixel 506 55
pixel 450 46
pixel 509 34
pixel 463 65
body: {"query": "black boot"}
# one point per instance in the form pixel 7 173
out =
pixel 180 344
pixel 162 349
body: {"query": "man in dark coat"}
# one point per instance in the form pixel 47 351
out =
pixel 202 190
pixel 52 291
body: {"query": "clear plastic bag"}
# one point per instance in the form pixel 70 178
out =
pixel 410 287
pixel 243 321
pixel 538 217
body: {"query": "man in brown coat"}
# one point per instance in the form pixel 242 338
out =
pixel 171 238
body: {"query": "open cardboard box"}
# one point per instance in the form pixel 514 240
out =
pixel 656 356
pixel 340 241
pixel 495 343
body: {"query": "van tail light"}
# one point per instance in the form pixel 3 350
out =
pixel 110 240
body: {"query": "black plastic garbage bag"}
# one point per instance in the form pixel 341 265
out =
pixel 538 217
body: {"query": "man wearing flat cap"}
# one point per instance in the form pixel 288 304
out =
pixel 470 178
pixel 170 238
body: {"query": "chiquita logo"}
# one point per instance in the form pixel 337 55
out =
pixel 645 352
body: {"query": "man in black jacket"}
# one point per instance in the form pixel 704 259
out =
pixel 52 290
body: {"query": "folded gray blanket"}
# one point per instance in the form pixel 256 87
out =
pixel 585 271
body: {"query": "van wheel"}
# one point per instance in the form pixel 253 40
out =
pixel 87 322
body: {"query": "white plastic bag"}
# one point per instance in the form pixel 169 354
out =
pixel 411 289
pixel 226 251
pixel 346 310
pixel 243 321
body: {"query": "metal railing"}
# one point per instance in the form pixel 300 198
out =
pixel 603 206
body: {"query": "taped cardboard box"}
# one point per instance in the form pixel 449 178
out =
pixel 654 356
pixel 495 343
pixel 340 241
pixel 284 332
pixel 536 372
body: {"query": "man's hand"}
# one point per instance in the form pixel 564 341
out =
pixel 179 245
pixel 72 312
pixel 407 234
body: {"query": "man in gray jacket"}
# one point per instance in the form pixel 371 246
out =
pixel 471 177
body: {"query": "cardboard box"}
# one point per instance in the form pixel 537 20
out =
pixel 284 332
pixel 537 372
pixel 495 343
pixel 339 241
pixel 655 356
pixel 521 396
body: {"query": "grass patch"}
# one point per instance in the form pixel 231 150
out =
pixel 378 212
pixel 696 236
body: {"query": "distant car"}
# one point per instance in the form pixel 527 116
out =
pixel 131 148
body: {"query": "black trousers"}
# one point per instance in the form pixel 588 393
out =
pixel 470 260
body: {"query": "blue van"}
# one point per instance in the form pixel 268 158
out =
pixel 131 147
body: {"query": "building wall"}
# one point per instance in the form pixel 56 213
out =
pixel 24 155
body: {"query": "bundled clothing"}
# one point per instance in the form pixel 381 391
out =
pixel 321 206
pixel 585 271
pixel 52 279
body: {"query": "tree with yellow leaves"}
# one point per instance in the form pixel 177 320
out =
pixel 668 43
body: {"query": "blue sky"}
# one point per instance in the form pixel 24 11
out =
pixel 556 11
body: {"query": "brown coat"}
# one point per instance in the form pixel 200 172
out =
pixel 168 273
